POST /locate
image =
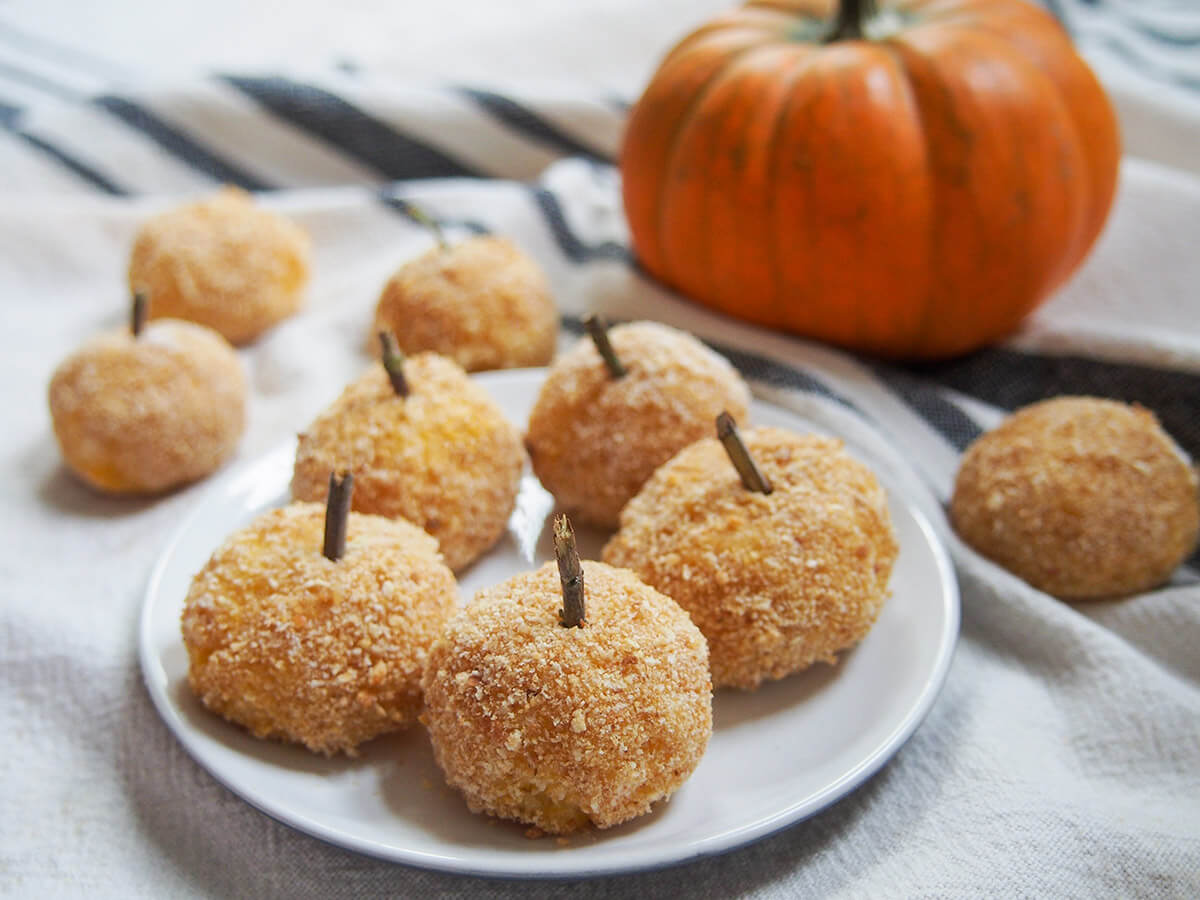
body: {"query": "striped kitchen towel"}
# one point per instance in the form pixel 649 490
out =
pixel 1061 759
pixel 70 120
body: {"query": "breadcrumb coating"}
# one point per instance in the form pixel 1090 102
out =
pixel 1081 497
pixel 299 648
pixel 594 440
pixel 481 302
pixel 144 414
pixel 775 581
pixel 444 457
pixel 222 262
pixel 561 727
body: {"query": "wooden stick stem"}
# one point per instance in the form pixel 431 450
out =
pixel 393 362
pixel 570 573
pixel 752 476
pixel 337 514
pixel 598 329
pixel 421 217
pixel 138 312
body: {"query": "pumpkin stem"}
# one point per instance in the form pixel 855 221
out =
pixel 752 476
pixel 137 315
pixel 852 16
pixel 598 329
pixel 421 217
pixel 393 363
pixel 337 514
pixel 570 574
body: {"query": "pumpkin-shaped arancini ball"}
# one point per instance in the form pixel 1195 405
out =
pixel 1080 496
pixel 595 437
pixel 443 456
pixel 776 581
pixel 223 262
pixel 142 413
pixel 322 652
pixel 481 302
pixel 565 727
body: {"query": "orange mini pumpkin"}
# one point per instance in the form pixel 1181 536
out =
pixel 908 179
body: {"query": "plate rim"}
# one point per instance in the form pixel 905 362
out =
pixel 153 672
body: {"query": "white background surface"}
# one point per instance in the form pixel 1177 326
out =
pixel 1062 759
pixel 603 45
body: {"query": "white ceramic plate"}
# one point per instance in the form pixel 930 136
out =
pixel 776 756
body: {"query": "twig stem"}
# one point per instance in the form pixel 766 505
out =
pixel 570 573
pixel 137 313
pixel 337 514
pixel 598 329
pixel 421 217
pixel 752 476
pixel 393 362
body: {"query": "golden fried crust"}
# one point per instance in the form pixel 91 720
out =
pixel 594 440
pixel 558 727
pixel 222 262
pixel 296 647
pixel 147 414
pixel 1081 497
pixel 443 457
pixel 482 302
pixel 776 581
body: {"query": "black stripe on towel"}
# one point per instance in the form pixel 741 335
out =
pixel 409 211
pixel 571 245
pixel 178 144
pixel 529 124
pixel 928 402
pixel 1010 379
pixel 64 159
pixel 350 130
pixel 10 117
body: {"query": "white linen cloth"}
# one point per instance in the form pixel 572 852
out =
pixel 1063 756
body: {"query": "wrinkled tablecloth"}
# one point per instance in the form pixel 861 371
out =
pixel 1063 755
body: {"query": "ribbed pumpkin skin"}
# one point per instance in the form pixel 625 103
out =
pixel 910 196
